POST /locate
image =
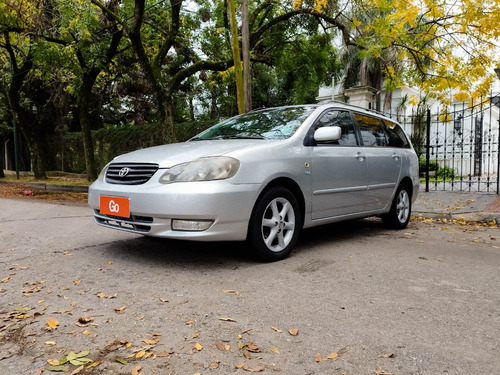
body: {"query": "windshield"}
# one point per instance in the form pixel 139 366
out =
pixel 275 123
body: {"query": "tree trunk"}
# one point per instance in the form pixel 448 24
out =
pixel 245 45
pixel 86 126
pixel 2 153
pixel 240 94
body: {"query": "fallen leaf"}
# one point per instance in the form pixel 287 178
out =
pixel 140 354
pixel 198 346
pixel 274 349
pixel 317 357
pixel 102 295
pixel 53 362
pixel 227 320
pixel 63 311
pixel 5 280
pixel 163 300
pixel 276 329
pixel 23 309
pixel 120 309
pixel 231 291
pixel 84 321
pixel 388 355
pixel 220 345
pixel 382 372
pixel 195 334
pixel 121 360
pixel 240 365
pixel 136 370
pixel 214 364
pixel 77 281
pixel 251 347
pixel 86 332
pixel 52 323
pixel 51 343
pixel 189 322
pixel 165 354
pixel 152 342
pixel 94 364
pixel 77 370
pixel 293 331
pixel 58 368
pixel 332 356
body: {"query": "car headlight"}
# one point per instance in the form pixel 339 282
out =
pixel 203 169
pixel 103 173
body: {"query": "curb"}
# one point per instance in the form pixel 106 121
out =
pixel 50 187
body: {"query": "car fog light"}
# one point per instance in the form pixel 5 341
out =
pixel 191 225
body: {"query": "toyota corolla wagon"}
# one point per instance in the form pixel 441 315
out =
pixel 262 177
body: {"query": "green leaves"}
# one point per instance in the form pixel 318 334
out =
pixel 77 359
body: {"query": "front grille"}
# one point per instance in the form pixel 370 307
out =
pixel 130 173
pixel 135 223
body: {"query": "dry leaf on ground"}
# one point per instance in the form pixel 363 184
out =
pixel 52 323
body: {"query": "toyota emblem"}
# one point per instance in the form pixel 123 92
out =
pixel 124 171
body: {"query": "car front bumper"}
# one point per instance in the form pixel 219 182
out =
pixel 154 206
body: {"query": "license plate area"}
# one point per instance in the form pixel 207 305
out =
pixel 114 206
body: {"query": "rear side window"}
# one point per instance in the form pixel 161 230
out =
pixel 342 119
pixel 397 137
pixel 372 131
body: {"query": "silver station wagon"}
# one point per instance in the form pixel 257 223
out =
pixel 263 176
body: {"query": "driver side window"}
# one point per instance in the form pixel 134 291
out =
pixel 342 119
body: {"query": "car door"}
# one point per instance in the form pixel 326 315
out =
pixel 383 162
pixel 339 169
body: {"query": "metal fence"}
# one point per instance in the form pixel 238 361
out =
pixel 459 147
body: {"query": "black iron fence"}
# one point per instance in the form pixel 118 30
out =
pixel 458 146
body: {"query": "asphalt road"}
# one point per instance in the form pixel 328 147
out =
pixel 354 298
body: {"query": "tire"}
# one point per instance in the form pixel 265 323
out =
pixel 275 224
pixel 399 215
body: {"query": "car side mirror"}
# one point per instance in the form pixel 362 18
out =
pixel 328 133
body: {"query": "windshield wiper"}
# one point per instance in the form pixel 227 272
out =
pixel 246 137
pixel 235 136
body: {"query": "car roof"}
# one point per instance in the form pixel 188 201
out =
pixel 334 104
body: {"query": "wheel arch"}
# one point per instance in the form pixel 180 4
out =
pixel 294 188
pixel 409 184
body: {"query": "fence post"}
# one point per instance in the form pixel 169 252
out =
pixel 498 156
pixel 427 149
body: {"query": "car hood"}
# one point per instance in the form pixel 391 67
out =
pixel 169 155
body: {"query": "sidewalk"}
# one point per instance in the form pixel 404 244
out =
pixel 451 205
pixel 470 206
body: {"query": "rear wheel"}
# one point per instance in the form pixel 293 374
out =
pixel 399 215
pixel 275 224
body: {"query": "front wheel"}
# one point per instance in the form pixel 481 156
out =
pixel 275 224
pixel 399 215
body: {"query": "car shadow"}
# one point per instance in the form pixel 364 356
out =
pixel 161 251
pixel 167 252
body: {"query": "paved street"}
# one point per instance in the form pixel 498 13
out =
pixel 353 298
